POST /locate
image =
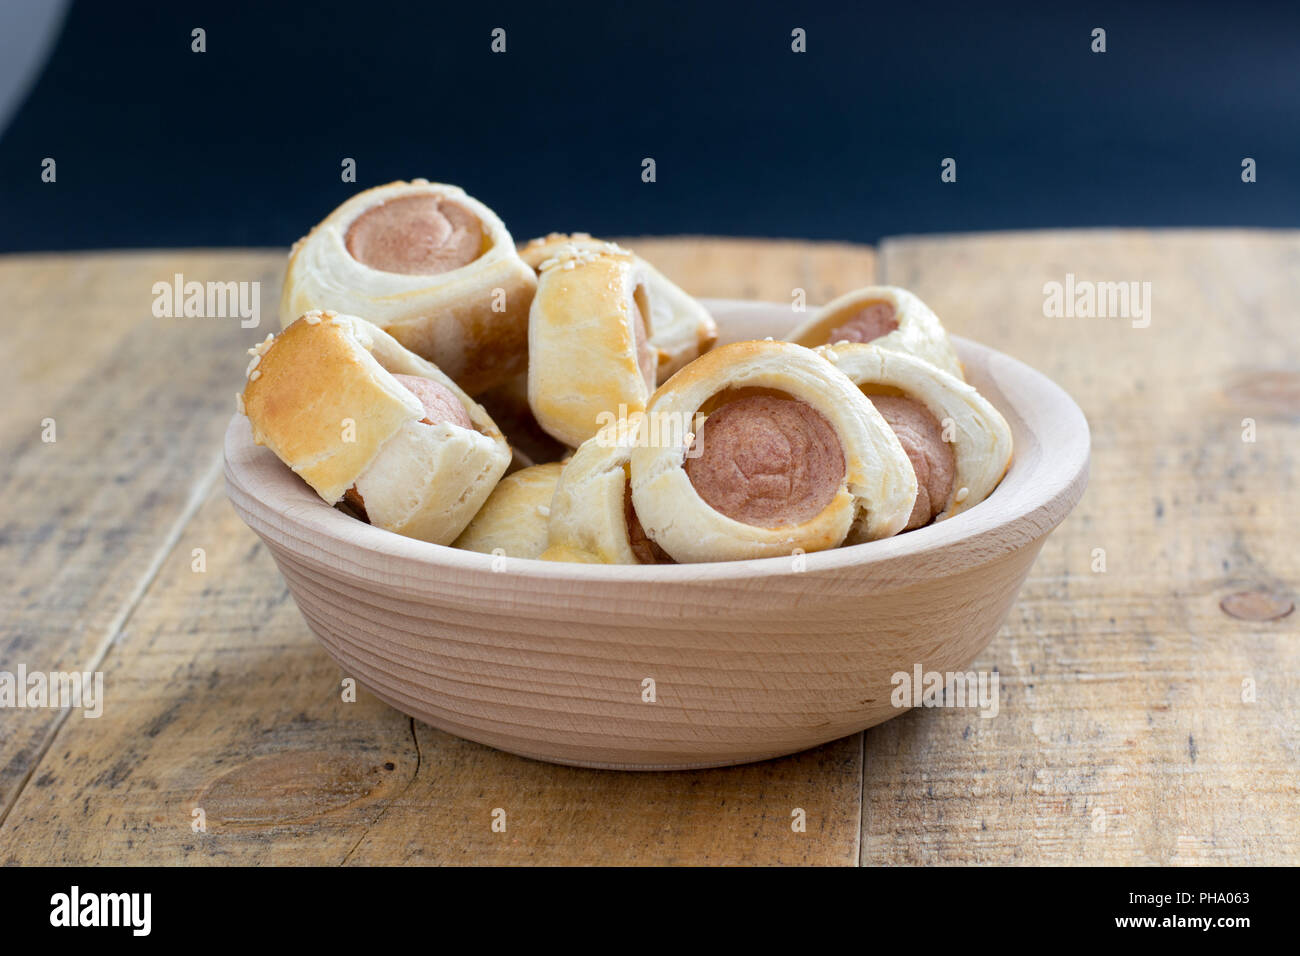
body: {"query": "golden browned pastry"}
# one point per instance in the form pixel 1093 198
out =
pixel 360 417
pixel 780 452
pixel 433 267
pixel 886 316
pixel 590 361
pixel 592 519
pixel 513 521
pixel 959 445
pixel 680 328
pixel 507 403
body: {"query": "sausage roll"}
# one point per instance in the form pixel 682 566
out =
pixel 361 418
pixel 592 517
pixel 784 453
pixel 514 519
pixel 681 328
pixel 433 267
pixel 590 360
pixel 883 315
pixel 958 444
pixel 507 403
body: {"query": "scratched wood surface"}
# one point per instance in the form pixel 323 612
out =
pixel 218 697
pixel 136 405
pixel 1122 734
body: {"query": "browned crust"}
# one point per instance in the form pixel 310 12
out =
pixel 302 391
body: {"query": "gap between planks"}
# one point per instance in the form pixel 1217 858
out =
pixel 198 493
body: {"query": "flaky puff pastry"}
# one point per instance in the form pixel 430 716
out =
pixel 590 362
pixel 592 521
pixel 322 396
pixel 874 491
pixel 470 321
pixel 979 435
pixel 507 403
pixel 681 328
pixel 918 330
pixel 513 521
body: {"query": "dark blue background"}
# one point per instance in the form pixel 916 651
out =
pixel 241 145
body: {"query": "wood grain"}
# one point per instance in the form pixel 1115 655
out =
pixel 764 270
pixel 1123 691
pixel 137 403
pixel 221 699
pixel 218 693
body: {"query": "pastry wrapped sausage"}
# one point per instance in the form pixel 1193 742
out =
pixel 592 518
pixel 507 403
pixel 680 328
pixel 590 360
pixel 958 444
pixel 514 519
pixel 886 316
pixel 433 267
pixel 785 453
pixel 358 416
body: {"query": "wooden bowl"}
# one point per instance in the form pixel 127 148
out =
pixel 749 659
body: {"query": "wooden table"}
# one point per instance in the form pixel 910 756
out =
pixel 1147 715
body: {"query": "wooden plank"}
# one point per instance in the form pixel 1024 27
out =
pixel 219 698
pixel 138 404
pixel 1122 691
pixel 761 269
